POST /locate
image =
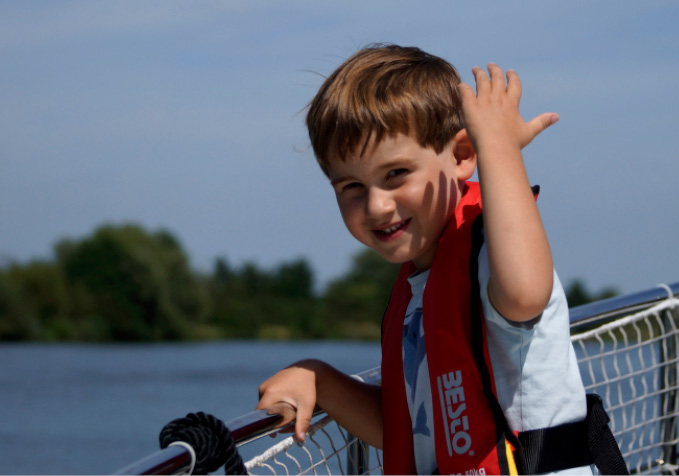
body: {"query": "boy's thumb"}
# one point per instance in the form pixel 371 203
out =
pixel 543 121
pixel 302 423
pixel 537 125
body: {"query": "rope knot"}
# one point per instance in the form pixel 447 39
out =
pixel 210 439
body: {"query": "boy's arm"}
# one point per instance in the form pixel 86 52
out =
pixel 520 261
pixel 296 390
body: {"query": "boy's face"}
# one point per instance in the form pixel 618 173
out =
pixel 398 197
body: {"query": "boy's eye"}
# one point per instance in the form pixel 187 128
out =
pixel 351 186
pixel 396 173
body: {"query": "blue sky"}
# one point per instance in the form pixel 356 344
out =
pixel 187 115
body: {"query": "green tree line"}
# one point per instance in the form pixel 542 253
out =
pixel 124 283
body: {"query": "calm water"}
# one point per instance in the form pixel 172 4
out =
pixel 91 409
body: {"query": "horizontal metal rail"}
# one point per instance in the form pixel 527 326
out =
pixel 171 460
pixel 606 310
pixel 177 459
pixel 245 428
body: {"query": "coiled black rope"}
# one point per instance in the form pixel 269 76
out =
pixel 210 439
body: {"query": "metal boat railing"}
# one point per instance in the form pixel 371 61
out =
pixel 254 425
pixel 178 459
pixel 606 310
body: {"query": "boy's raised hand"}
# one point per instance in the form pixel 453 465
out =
pixel 519 258
pixel 492 117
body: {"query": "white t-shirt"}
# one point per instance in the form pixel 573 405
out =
pixel 536 372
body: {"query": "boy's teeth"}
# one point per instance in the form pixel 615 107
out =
pixel 392 228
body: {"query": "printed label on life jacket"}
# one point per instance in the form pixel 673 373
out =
pixel 480 471
pixel 453 408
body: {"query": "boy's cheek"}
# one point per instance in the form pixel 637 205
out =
pixel 350 214
pixel 360 234
pixel 350 222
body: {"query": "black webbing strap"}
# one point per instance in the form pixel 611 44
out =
pixel 503 432
pixel 551 449
pixel 602 444
pixel 574 444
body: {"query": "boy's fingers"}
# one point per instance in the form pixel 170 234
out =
pixel 482 81
pixel 497 78
pixel 465 91
pixel 285 409
pixel 513 84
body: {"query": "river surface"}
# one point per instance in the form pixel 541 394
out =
pixel 92 409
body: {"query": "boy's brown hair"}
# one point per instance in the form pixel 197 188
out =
pixel 384 90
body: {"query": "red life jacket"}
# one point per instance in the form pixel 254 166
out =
pixel 470 431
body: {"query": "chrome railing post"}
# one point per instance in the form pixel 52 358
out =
pixel 357 456
pixel 668 376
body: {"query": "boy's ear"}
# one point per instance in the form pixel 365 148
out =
pixel 464 154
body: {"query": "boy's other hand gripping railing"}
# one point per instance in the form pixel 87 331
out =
pixel 627 349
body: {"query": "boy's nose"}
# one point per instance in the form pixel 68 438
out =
pixel 379 203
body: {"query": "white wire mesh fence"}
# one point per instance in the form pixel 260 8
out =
pixel 632 364
pixel 329 450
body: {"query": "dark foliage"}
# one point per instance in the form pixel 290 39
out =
pixel 124 283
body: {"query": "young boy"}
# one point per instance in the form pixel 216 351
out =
pixel 475 344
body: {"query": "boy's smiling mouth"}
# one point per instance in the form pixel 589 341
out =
pixel 391 231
